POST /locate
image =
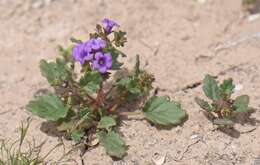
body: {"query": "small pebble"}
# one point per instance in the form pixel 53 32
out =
pixel 253 17
pixel 238 87
pixel 201 1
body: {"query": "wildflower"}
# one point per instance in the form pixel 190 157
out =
pixel 97 43
pixel 102 62
pixel 109 25
pixel 82 53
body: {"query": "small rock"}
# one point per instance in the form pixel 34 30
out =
pixel 256 161
pixel 238 87
pixel 194 136
pixel 253 17
pixel 159 159
pixel 48 2
pixel 201 1
pixel 37 4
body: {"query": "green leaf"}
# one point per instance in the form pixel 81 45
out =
pixel 106 122
pixel 203 104
pixel 241 103
pixel 210 88
pixel 86 118
pixel 55 72
pixel 49 107
pixel 91 81
pixel 115 64
pixel 124 82
pixel 227 88
pixel 160 110
pixel 75 40
pixel 66 53
pixel 223 122
pixel 77 135
pixel 113 143
pixel 120 38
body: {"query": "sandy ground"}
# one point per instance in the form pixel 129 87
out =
pixel 179 40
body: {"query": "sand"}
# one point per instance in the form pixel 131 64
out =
pixel 178 41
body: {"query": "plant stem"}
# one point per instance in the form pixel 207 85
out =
pixel 77 89
pixel 135 113
pixel 117 101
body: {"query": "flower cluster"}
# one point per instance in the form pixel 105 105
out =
pixel 93 50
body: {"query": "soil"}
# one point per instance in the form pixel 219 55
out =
pixel 178 41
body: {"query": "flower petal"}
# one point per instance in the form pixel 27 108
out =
pixel 102 69
pixel 96 64
pixel 98 55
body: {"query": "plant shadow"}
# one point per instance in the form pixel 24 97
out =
pixel 50 128
pixel 245 118
pixel 237 118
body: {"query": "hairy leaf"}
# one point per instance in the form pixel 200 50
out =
pixel 116 65
pixel 162 111
pixel 203 104
pixel 120 38
pixel 113 143
pixel 77 135
pixel 210 88
pixel 86 118
pixel 106 122
pixel 227 88
pixel 91 81
pixel 130 85
pixel 49 107
pixel 241 103
pixel 55 72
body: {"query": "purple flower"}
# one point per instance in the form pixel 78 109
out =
pixel 97 44
pixel 102 62
pixel 109 25
pixel 82 53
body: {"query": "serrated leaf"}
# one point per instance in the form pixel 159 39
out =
pixel 116 65
pixel 129 84
pixel 203 104
pixel 227 88
pixel 91 81
pixel 49 107
pixel 66 53
pixel 77 135
pixel 120 38
pixel 241 103
pixel 210 88
pixel 124 81
pixel 75 40
pixel 106 122
pixel 113 143
pixel 86 119
pixel 162 111
pixel 55 72
pixel 223 122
